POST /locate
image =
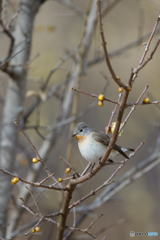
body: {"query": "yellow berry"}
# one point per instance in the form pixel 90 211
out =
pixel 101 97
pixel 120 89
pixel 35 160
pixel 33 230
pixel 37 229
pixel 100 103
pixel 118 78
pixel 15 180
pixel 60 180
pixel 112 127
pixel 128 88
pixel 67 170
pixel 146 100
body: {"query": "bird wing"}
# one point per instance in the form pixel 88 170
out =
pixel 101 137
pixel 104 139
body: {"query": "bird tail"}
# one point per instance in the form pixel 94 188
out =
pixel 127 149
pixel 122 151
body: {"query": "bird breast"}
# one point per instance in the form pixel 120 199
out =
pixel 90 149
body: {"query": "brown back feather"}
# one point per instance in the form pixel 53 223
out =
pixel 104 139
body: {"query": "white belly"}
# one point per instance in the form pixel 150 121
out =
pixel 92 151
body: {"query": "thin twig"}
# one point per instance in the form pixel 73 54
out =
pixel 34 148
pixel 74 224
pixel 113 113
pixel 28 208
pixel 64 59
pixel 133 108
pixel 106 194
pixel 93 95
pixel 39 101
pixel 35 184
pixel 92 193
pixel 21 229
pixel 45 179
pixel 35 202
pixel 148 59
pixel 115 78
pixel 86 169
pixel 114 224
pixel 8 26
pixel 108 182
pixel 86 230
pixel 119 51
pixel 132 154
pixel 136 70
pixel 67 120
pixel 52 215
pixel 143 103
pixel 69 165
pixel 40 220
pixel 8 59
pixel 149 41
pixel 94 221
pixel 6 30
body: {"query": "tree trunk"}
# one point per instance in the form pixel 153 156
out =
pixel 22 33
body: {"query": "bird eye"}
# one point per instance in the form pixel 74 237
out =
pixel 81 130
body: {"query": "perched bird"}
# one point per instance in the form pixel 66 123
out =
pixel 93 143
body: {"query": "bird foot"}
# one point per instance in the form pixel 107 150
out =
pixel 110 161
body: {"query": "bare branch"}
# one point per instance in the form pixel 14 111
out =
pixel 133 108
pixel 86 230
pixel 113 113
pixel 118 51
pixel 35 202
pixel 115 78
pixel 35 184
pixel 34 148
pixel 149 41
pixel 146 61
pixel 69 55
pixel 69 165
pixel 93 95
pixel 14 55
pixel 40 220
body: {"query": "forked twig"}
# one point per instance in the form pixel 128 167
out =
pixel 34 148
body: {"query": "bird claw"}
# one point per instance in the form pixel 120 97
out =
pixel 108 160
pixel 102 164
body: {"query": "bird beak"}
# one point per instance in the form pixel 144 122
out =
pixel 74 134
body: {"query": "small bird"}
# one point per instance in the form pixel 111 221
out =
pixel 93 143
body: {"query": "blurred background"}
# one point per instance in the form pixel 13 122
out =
pixel 57 31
